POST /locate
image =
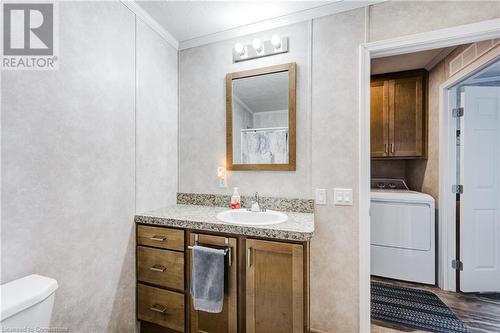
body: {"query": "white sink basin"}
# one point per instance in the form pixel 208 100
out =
pixel 243 216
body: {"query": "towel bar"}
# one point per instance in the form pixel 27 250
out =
pixel 226 247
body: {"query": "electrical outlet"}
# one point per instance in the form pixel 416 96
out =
pixel 342 196
pixel 222 175
pixel 320 197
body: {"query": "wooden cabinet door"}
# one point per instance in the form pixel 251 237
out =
pixel 379 118
pixel 274 287
pixel 227 320
pixel 406 117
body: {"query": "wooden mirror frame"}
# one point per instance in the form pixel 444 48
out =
pixel 291 69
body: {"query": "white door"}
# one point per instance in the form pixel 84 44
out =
pixel 480 201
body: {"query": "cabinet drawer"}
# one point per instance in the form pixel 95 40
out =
pixel 165 238
pixel 162 267
pixel 162 307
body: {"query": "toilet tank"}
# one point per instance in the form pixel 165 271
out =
pixel 27 302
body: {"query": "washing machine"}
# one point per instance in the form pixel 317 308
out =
pixel 403 244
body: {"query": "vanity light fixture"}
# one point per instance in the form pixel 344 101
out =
pixel 260 48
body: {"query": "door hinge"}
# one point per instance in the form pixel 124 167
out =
pixel 457 265
pixel 457 189
pixel 457 112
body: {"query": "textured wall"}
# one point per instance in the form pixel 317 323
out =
pixel 202 118
pixel 423 174
pixel 398 18
pixel 68 166
pixel 156 120
pixel 271 119
pixel 334 261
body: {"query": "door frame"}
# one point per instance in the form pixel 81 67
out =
pixel 447 167
pixel 457 35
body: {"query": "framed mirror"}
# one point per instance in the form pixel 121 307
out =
pixel 260 119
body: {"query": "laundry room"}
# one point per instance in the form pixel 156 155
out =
pixel 434 147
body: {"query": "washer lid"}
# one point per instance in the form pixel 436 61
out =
pixel 401 196
pixel 22 293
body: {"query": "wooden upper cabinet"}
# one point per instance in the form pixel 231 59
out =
pixel 379 120
pixel 274 287
pixel 398 115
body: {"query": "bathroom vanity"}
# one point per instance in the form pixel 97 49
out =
pixel 266 271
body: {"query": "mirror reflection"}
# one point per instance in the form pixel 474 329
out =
pixel 260 119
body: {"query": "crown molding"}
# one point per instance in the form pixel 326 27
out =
pixel 308 14
pixel 243 104
pixel 134 7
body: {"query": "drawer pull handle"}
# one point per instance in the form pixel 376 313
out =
pixel 158 268
pixel 158 238
pixel 158 308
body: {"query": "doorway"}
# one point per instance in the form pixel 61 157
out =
pixel 444 38
pixel 402 234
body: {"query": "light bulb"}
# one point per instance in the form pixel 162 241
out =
pixel 276 41
pixel 257 45
pixel 239 48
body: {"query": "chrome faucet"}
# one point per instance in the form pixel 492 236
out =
pixel 255 204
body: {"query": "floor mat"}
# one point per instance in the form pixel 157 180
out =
pixel 413 308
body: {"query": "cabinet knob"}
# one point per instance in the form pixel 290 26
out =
pixel 386 150
pixel 392 148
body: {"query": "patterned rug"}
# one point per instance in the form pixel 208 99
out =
pixel 413 308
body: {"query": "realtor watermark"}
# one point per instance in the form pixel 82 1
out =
pixel 30 329
pixel 30 36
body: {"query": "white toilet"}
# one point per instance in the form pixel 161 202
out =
pixel 27 302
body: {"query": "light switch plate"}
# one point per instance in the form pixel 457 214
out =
pixel 320 197
pixel 342 196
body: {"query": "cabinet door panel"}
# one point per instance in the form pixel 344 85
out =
pixel 226 321
pixel 274 287
pixel 406 117
pixel 379 118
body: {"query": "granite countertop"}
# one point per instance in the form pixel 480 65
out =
pixel 298 227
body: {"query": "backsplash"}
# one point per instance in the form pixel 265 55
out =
pixel 222 200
